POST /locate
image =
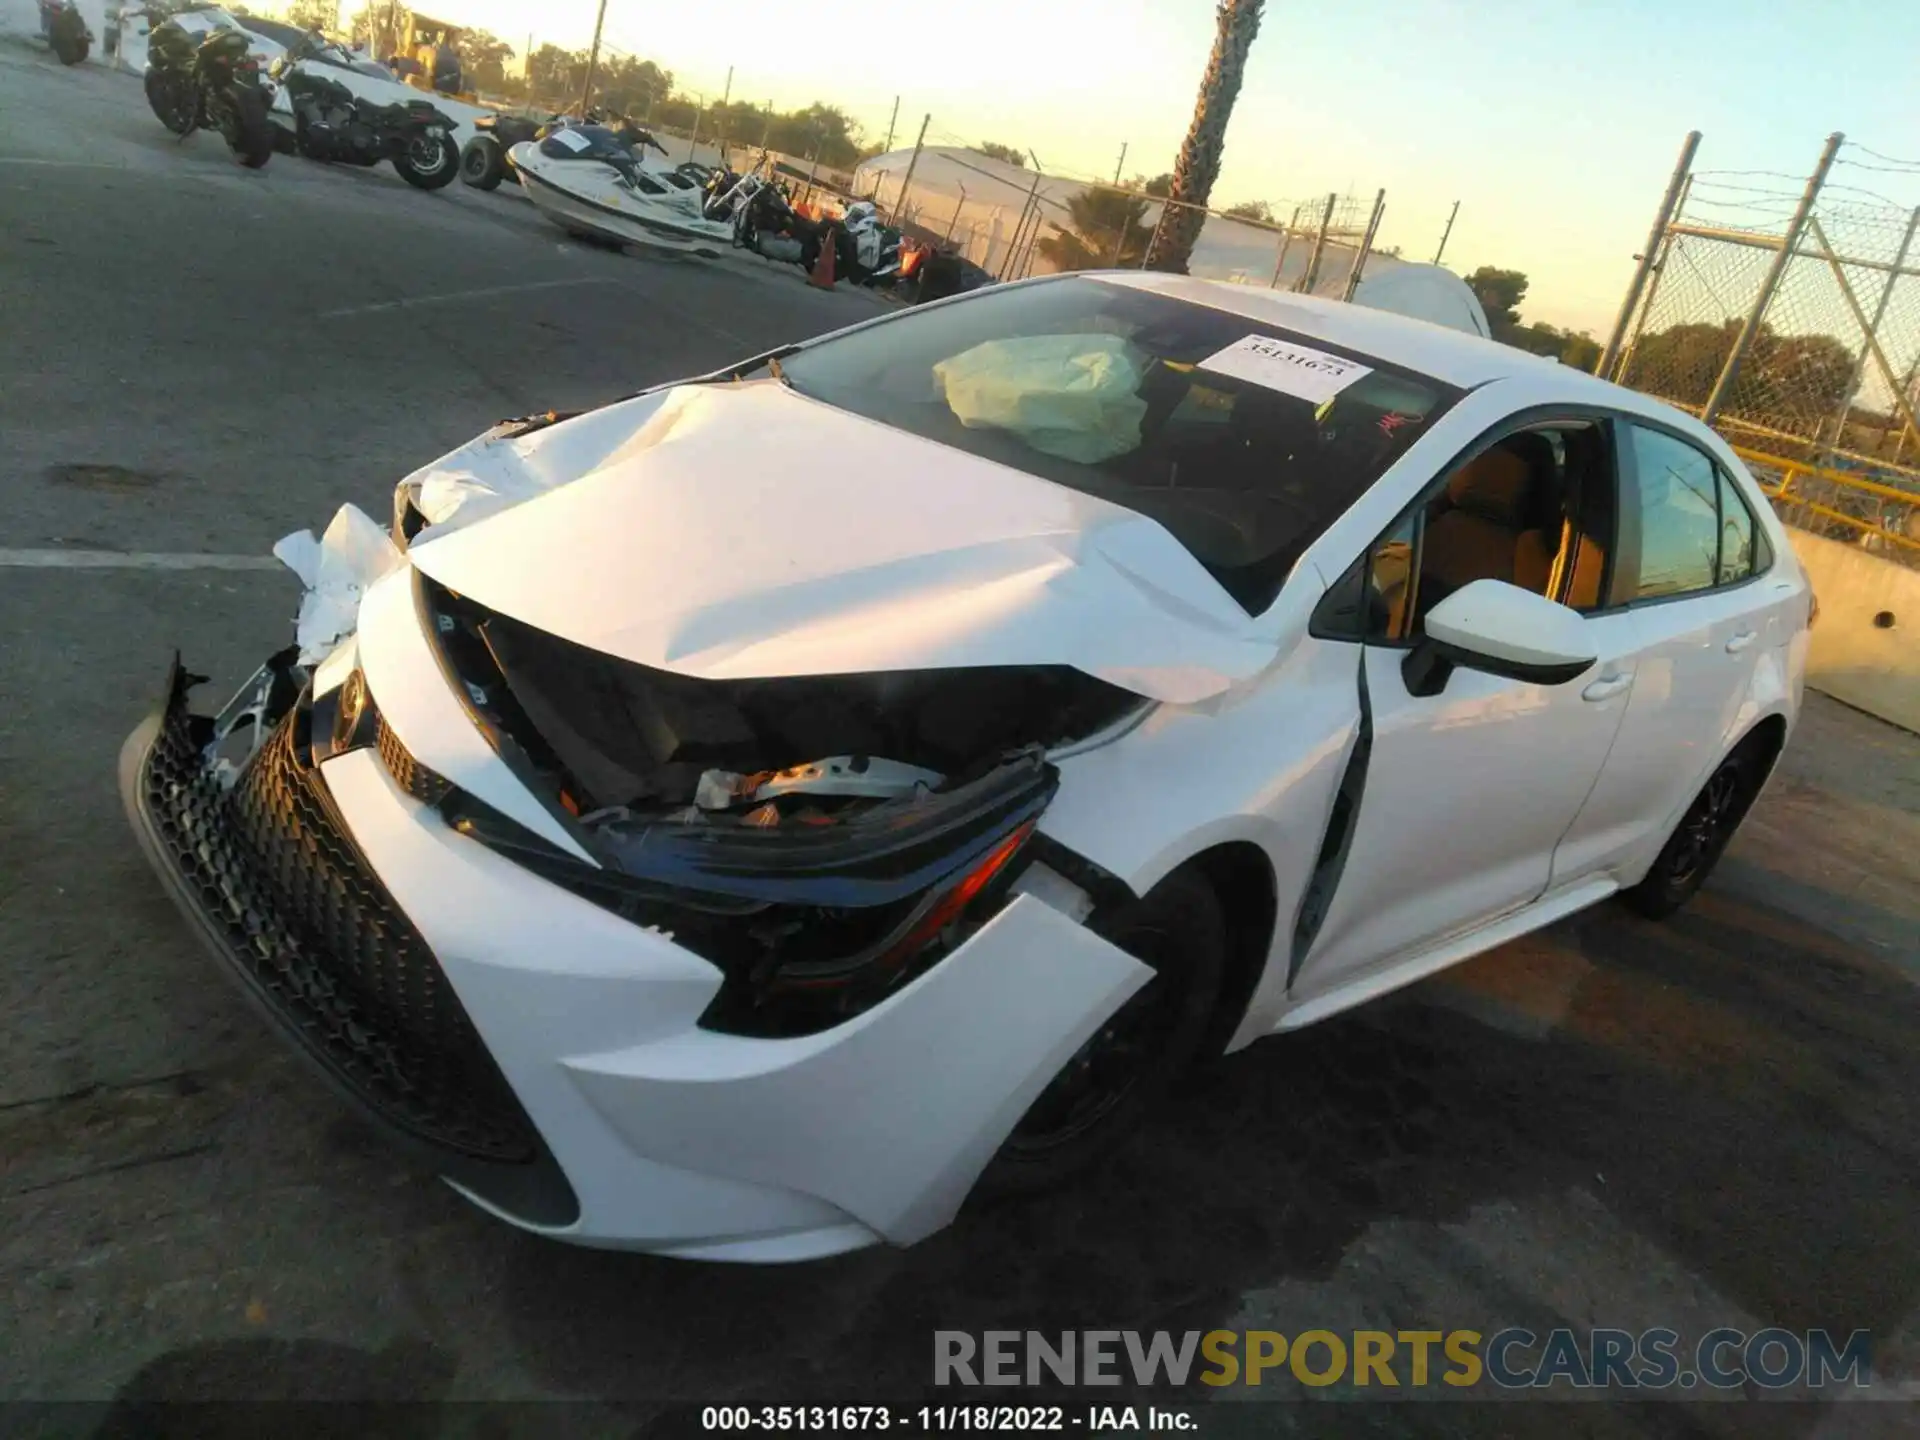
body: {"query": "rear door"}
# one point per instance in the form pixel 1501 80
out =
pixel 1692 572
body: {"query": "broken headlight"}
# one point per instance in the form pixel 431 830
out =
pixel 811 923
pixel 818 885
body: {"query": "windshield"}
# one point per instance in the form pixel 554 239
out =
pixel 1243 439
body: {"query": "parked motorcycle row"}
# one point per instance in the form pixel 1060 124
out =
pixel 592 175
pixel 209 80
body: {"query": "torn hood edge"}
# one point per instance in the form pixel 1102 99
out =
pixel 733 531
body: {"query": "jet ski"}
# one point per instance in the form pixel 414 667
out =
pixel 594 180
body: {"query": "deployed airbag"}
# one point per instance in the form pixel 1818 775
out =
pixel 1071 396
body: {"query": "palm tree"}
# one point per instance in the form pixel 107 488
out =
pixel 1108 231
pixel 1236 24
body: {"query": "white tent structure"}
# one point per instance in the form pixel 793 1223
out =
pixel 1426 292
pixel 978 203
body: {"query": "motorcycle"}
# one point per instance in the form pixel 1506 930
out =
pixel 764 221
pixel 210 82
pixel 876 254
pixel 331 123
pixel 725 191
pixel 66 30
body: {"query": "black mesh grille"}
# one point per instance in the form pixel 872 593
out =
pixel 408 773
pixel 321 939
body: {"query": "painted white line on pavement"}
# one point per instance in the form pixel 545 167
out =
pixel 131 560
pixel 413 300
pixel 63 164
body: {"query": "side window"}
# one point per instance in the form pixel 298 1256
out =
pixel 1390 580
pixel 1676 499
pixel 1534 509
pixel 1739 557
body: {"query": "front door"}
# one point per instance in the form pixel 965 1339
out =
pixel 1468 792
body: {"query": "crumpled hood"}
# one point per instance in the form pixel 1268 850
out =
pixel 736 531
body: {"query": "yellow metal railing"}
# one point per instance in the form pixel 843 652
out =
pixel 1792 472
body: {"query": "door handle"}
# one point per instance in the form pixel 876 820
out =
pixel 1607 687
pixel 1741 641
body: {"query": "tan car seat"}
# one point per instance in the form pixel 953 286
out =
pixel 1486 533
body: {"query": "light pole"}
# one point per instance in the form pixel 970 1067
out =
pixel 593 60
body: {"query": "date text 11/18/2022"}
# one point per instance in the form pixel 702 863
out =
pixel 931 1419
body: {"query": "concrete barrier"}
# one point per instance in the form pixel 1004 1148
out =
pixel 1865 649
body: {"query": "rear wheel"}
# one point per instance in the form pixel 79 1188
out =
pixel 1701 837
pixel 69 38
pixel 247 127
pixel 1130 1062
pixel 482 165
pixel 171 99
pixel 429 164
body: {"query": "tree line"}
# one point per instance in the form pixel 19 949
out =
pixel 554 78
pixel 1500 293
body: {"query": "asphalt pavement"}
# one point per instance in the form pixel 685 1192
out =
pixel 1707 1122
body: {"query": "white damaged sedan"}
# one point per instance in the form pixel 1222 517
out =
pixel 746 820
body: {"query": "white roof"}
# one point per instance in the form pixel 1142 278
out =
pixel 1428 349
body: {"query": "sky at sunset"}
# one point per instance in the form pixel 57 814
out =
pixel 1554 122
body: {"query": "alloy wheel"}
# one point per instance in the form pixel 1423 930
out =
pixel 1706 825
pixel 1107 1066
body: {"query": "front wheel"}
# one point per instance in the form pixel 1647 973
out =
pixel 429 164
pixel 247 127
pixel 171 100
pixel 1701 837
pixel 1124 1069
pixel 482 163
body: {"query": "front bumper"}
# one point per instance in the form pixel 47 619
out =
pixel 573 1034
pixel 270 880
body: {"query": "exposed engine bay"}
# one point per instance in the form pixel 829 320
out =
pixel 822 838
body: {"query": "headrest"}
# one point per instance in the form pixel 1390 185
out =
pixel 1493 485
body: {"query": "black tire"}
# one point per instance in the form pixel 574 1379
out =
pixel 303 140
pixel 1131 1062
pixel 171 100
pixel 1701 837
pixel 436 176
pixel 69 38
pixel 483 164
pixel 248 129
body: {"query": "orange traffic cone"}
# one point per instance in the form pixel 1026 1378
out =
pixel 822 273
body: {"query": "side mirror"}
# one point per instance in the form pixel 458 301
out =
pixel 1500 629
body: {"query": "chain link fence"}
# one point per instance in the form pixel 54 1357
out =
pixel 1014 221
pixel 1786 312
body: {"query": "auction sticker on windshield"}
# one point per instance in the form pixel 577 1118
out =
pixel 572 139
pixel 1287 366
